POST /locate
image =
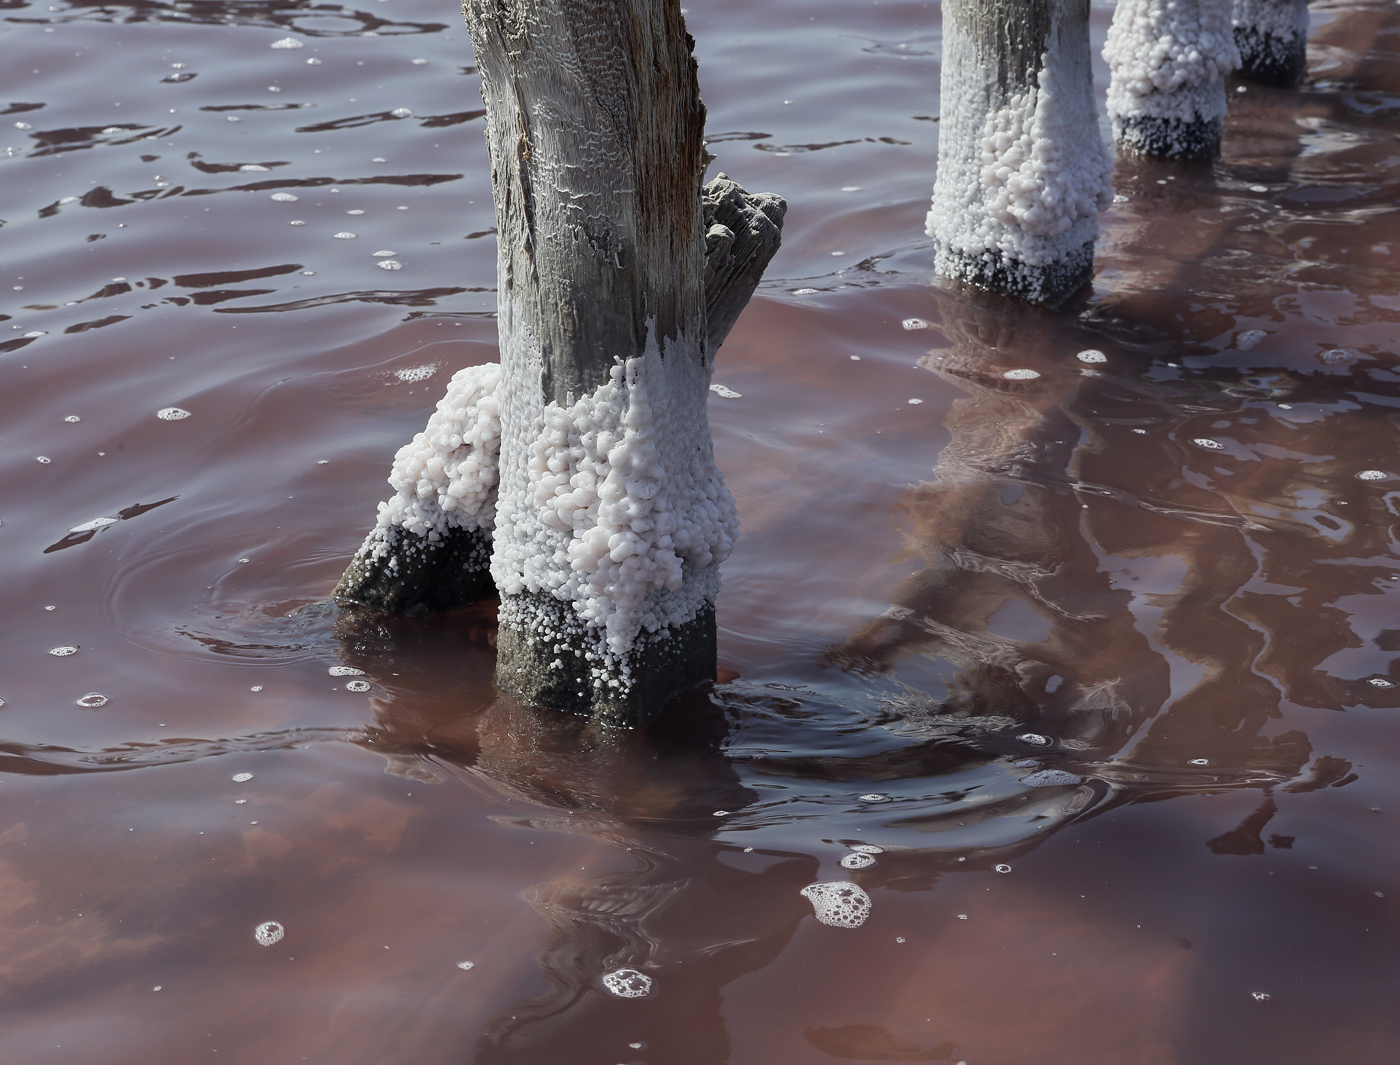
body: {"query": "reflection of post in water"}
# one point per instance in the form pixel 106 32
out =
pixel 690 913
pixel 1078 496
pixel 1000 533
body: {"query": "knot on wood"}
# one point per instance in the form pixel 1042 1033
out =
pixel 742 233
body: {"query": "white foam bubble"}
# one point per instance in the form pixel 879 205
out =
pixel 31 335
pixel 287 42
pixel 1035 739
pixel 172 414
pixel 1199 761
pixel 874 796
pixel 256 688
pixel 1021 375
pixel 1209 444
pixel 242 778
pixel 268 933
pixel 419 62
pixel 1380 682
pixel 1002 868
pixel 92 700
pixel 628 983
pixel 1254 188
pixel 345 671
pixel 417 373
pixel 850 188
pixel 72 417
pixel 838 903
pixel 804 292
pixel 914 323
pixel 357 211
pixel 914 402
pixel 857 861
pixel 1372 475
pixel 1092 355
pixel 357 686
pixel 867 848
pixel 64 651
pixel 389 264
pixel 96 523
pixel 401 112
pixel 1249 339
pixel 284 197
pixel 1260 996
pixel 254 168
pixel 43 460
pixel 725 393
pixel 345 236
pixel 1051 778
pixel 465 965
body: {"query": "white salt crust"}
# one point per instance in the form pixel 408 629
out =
pixel 445 478
pixel 1020 177
pixel 619 513
pixel 839 904
pixel 1168 59
pixel 1283 20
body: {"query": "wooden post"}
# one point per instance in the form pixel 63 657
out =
pixel 1167 61
pixel 1272 36
pixel 1022 170
pixel 611 520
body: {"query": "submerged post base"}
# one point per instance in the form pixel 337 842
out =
pixel 1191 139
pixel 1048 285
pixel 399 572
pixel 546 654
pixel 1268 59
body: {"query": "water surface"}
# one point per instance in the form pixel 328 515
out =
pixel 1125 630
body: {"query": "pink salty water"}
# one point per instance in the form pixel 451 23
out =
pixel 1126 631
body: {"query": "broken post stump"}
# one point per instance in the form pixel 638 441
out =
pixel 1022 169
pixel 1168 60
pixel 1272 38
pixel 430 548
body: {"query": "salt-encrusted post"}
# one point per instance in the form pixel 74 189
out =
pixel 1272 36
pixel 611 520
pixel 1167 61
pixel 1022 170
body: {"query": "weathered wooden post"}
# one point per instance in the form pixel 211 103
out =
pixel 1022 170
pixel 1272 36
pixel 1168 60
pixel 583 464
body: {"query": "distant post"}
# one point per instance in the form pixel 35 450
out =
pixel 1022 169
pixel 1168 60
pixel 1272 36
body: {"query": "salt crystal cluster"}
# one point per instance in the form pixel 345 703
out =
pixel 1167 61
pixel 445 477
pixel 619 516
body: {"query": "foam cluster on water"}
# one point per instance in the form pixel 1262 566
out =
pixel 1168 60
pixel 619 514
pixel 268 933
pixel 1022 174
pixel 628 983
pixel 838 903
